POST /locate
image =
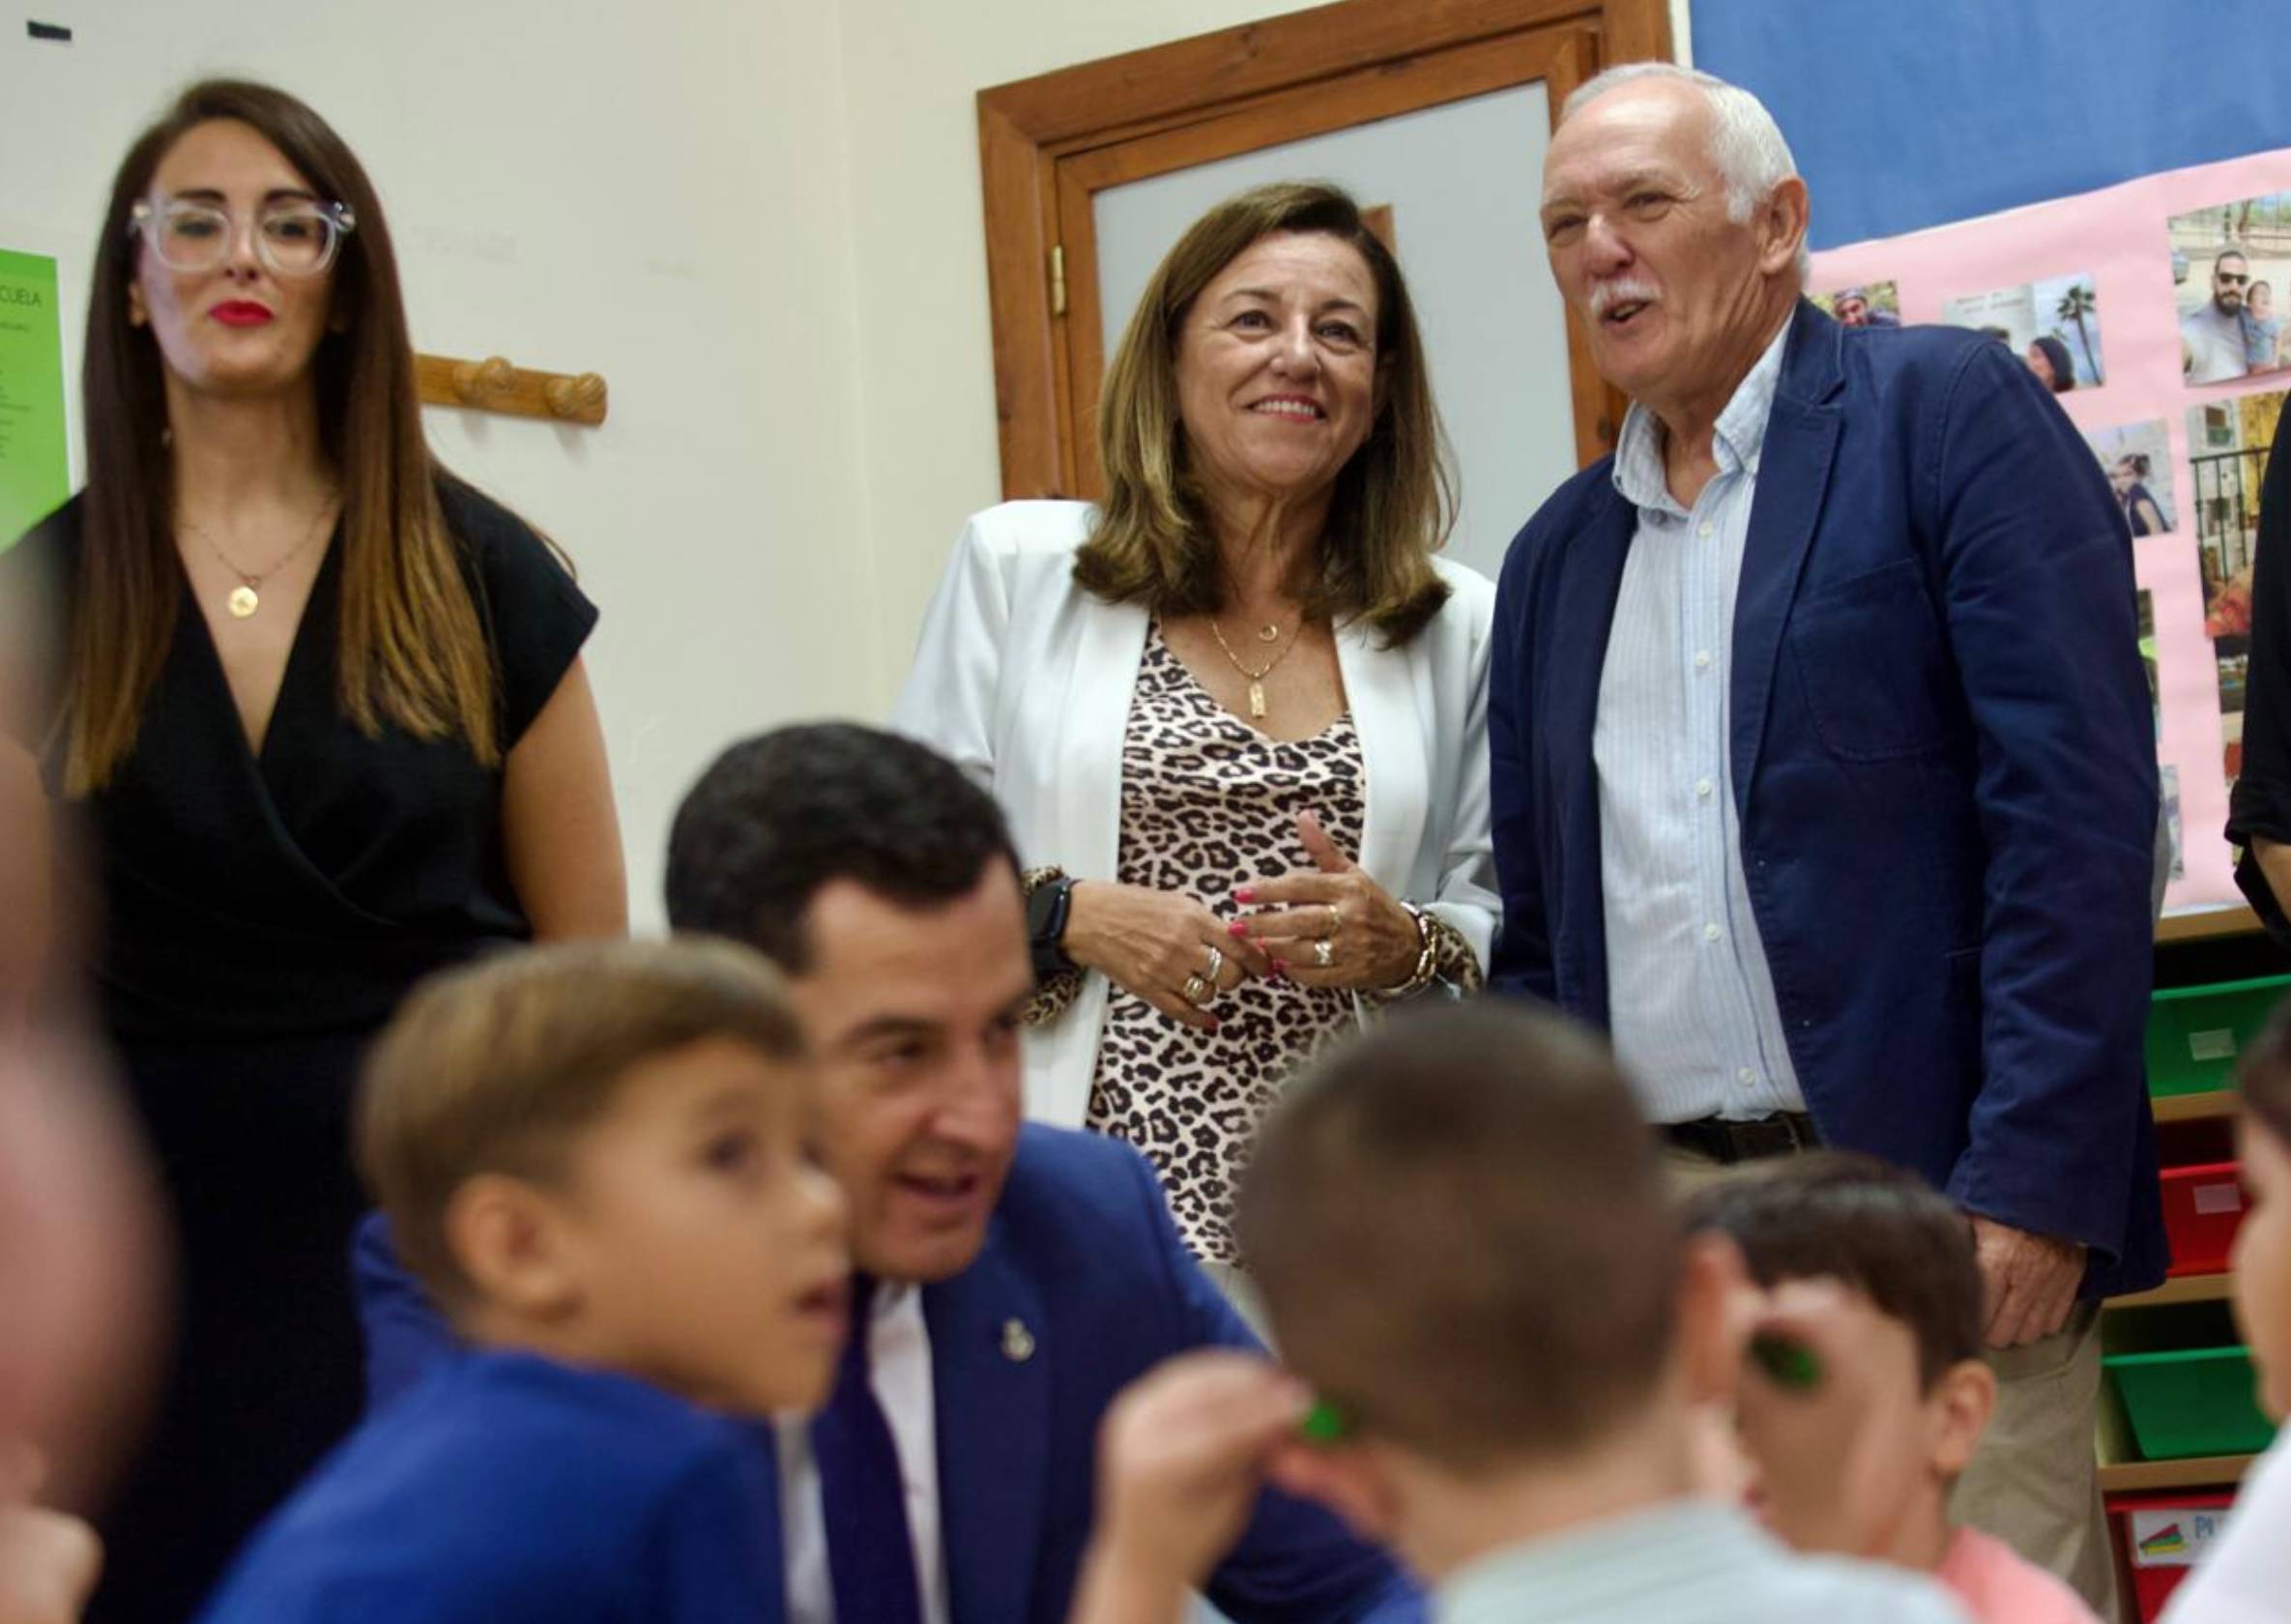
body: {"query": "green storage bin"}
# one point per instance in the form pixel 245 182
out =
pixel 2194 1033
pixel 2193 1401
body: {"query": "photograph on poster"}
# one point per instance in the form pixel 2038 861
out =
pixel 2171 819
pixel 2052 325
pixel 1870 304
pixel 2138 459
pixel 2205 448
pixel 2227 447
pixel 2231 264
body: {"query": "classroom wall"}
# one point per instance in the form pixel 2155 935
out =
pixel 760 219
pixel 1960 108
pixel 660 193
pixel 927 382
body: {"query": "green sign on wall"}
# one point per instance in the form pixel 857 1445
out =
pixel 35 474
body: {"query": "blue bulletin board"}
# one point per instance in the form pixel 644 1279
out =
pixel 1910 113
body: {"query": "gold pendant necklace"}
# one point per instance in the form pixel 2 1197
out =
pixel 1256 705
pixel 246 597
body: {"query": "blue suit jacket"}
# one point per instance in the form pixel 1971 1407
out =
pixel 1081 1252
pixel 506 1488
pixel 1944 768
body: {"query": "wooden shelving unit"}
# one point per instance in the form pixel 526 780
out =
pixel 2198 924
pixel 2198 946
pixel 2203 1471
pixel 2121 1472
pixel 2219 1103
pixel 2184 1288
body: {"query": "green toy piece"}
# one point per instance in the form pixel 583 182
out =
pixel 1324 1423
pixel 1787 1362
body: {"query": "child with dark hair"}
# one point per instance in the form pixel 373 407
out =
pixel 1461 1227
pixel 2247 1575
pixel 1886 1265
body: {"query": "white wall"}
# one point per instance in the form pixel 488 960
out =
pixel 760 219
pixel 914 69
pixel 641 191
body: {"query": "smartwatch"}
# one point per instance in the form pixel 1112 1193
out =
pixel 1047 905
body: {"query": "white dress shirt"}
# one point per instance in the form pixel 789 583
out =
pixel 899 1365
pixel 1691 998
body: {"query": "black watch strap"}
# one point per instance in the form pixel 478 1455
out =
pixel 1046 926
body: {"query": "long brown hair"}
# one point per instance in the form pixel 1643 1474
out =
pixel 413 652
pixel 1394 501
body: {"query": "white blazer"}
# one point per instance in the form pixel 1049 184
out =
pixel 1025 679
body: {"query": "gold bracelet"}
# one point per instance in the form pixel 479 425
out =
pixel 1426 958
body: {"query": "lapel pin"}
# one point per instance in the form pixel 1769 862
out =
pixel 1018 1343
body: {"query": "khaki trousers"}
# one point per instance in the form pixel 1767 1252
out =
pixel 2035 1483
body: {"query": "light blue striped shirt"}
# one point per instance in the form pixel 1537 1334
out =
pixel 1691 998
pixel 1687 1562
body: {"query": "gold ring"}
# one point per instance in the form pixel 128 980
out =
pixel 1216 964
pixel 1196 990
pixel 1336 922
pixel 1323 952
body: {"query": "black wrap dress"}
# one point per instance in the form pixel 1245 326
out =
pixel 261 914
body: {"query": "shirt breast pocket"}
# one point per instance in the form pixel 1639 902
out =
pixel 1872 666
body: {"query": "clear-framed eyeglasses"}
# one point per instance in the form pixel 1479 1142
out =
pixel 290 239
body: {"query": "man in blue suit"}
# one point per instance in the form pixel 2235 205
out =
pixel 1013 1278
pixel 1823 774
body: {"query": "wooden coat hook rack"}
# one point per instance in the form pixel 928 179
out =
pixel 493 384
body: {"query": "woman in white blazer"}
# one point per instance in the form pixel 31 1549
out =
pixel 1238 714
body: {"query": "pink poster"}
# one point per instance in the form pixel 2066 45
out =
pixel 2157 310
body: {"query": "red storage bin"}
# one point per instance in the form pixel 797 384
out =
pixel 2162 1535
pixel 2203 1206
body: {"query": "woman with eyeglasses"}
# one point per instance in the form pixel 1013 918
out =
pixel 320 715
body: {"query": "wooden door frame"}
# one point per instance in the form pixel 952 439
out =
pixel 1216 88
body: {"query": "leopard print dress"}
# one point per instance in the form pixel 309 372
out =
pixel 1209 805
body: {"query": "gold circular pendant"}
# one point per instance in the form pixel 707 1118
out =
pixel 1268 633
pixel 243 602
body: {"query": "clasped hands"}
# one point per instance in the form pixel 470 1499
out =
pixel 1329 925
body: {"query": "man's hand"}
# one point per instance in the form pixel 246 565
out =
pixel 2032 1280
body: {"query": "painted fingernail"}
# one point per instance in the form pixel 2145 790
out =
pixel 1240 927
pixel 1244 893
pixel 1280 967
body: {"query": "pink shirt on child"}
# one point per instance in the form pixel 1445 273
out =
pixel 1999 1587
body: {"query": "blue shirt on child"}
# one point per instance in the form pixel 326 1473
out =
pixel 2260 337
pixel 508 1488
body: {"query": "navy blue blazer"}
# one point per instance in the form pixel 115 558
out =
pixel 1944 768
pixel 1081 1251
pixel 506 1488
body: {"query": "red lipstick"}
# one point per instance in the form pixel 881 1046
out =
pixel 242 313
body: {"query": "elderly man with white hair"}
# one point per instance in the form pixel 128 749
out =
pixel 1823 773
